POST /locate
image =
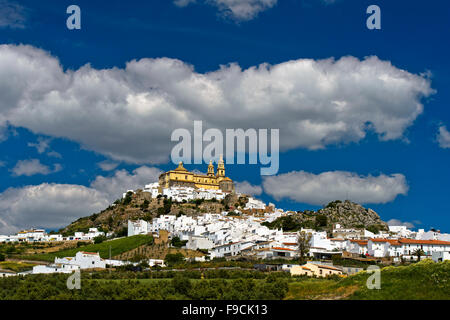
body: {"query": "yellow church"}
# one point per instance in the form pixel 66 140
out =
pixel 182 177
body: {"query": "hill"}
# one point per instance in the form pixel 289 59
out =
pixel 346 213
pixel 141 206
pixel 118 247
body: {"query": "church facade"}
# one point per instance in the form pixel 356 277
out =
pixel 210 181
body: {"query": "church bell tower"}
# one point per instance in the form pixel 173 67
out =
pixel 221 168
pixel 210 169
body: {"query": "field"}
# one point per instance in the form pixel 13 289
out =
pixel 16 266
pixel 118 246
pixel 424 280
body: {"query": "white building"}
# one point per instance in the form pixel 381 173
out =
pixel 7 273
pixel 84 260
pixel 357 246
pixel 196 242
pixel 138 227
pixel 55 268
pixel 381 248
pixel 432 235
pixel 152 188
pixel 226 250
pixel 440 256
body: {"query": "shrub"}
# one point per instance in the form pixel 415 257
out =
pixel 174 258
pixel 99 239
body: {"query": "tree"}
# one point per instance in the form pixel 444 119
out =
pixel 373 228
pixel 304 243
pixel 176 242
pixel 321 220
pixel 99 239
pixel 2 257
pixel 181 284
pixel 172 259
pixel 145 204
pixel 419 253
pixel 180 213
pixel 127 199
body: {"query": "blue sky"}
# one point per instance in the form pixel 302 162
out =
pixel 67 151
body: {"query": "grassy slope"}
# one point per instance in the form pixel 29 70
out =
pixel 117 247
pixel 16 266
pixel 425 280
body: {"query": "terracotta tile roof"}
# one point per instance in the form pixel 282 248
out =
pixel 360 242
pixel 305 268
pixel 393 242
pixel 328 267
pixel 286 249
pixel 413 241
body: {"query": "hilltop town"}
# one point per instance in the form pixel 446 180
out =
pixel 204 219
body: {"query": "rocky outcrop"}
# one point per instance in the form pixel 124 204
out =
pixel 351 215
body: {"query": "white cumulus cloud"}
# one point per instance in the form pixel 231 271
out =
pixel 396 222
pixel 56 205
pixel 108 165
pixel 113 187
pixel 12 15
pixel 320 189
pixel 129 114
pixel 443 137
pixel 247 188
pixel 47 206
pixel 238 10
pixel 32 167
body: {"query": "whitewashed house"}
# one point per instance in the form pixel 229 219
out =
pixel 255 204
pixel 152 188
pixel 381 248
pixel 439 256
pixel 85 260
pixel 138 227
pixel 357 246
pixel 226 250
pixel 55 268
pixel 196 242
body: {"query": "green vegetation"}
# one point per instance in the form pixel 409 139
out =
pixel 333 204
pixel 128 197
pixel 321 221
pixel 287 223
pixel 174 258
pixel 117 247
pixel 424 280
pixel 16 266
pixel 181 286
pixel 177 243
pixel 374 228
pixel 343 262
pixel 304 244
pixel 99 239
